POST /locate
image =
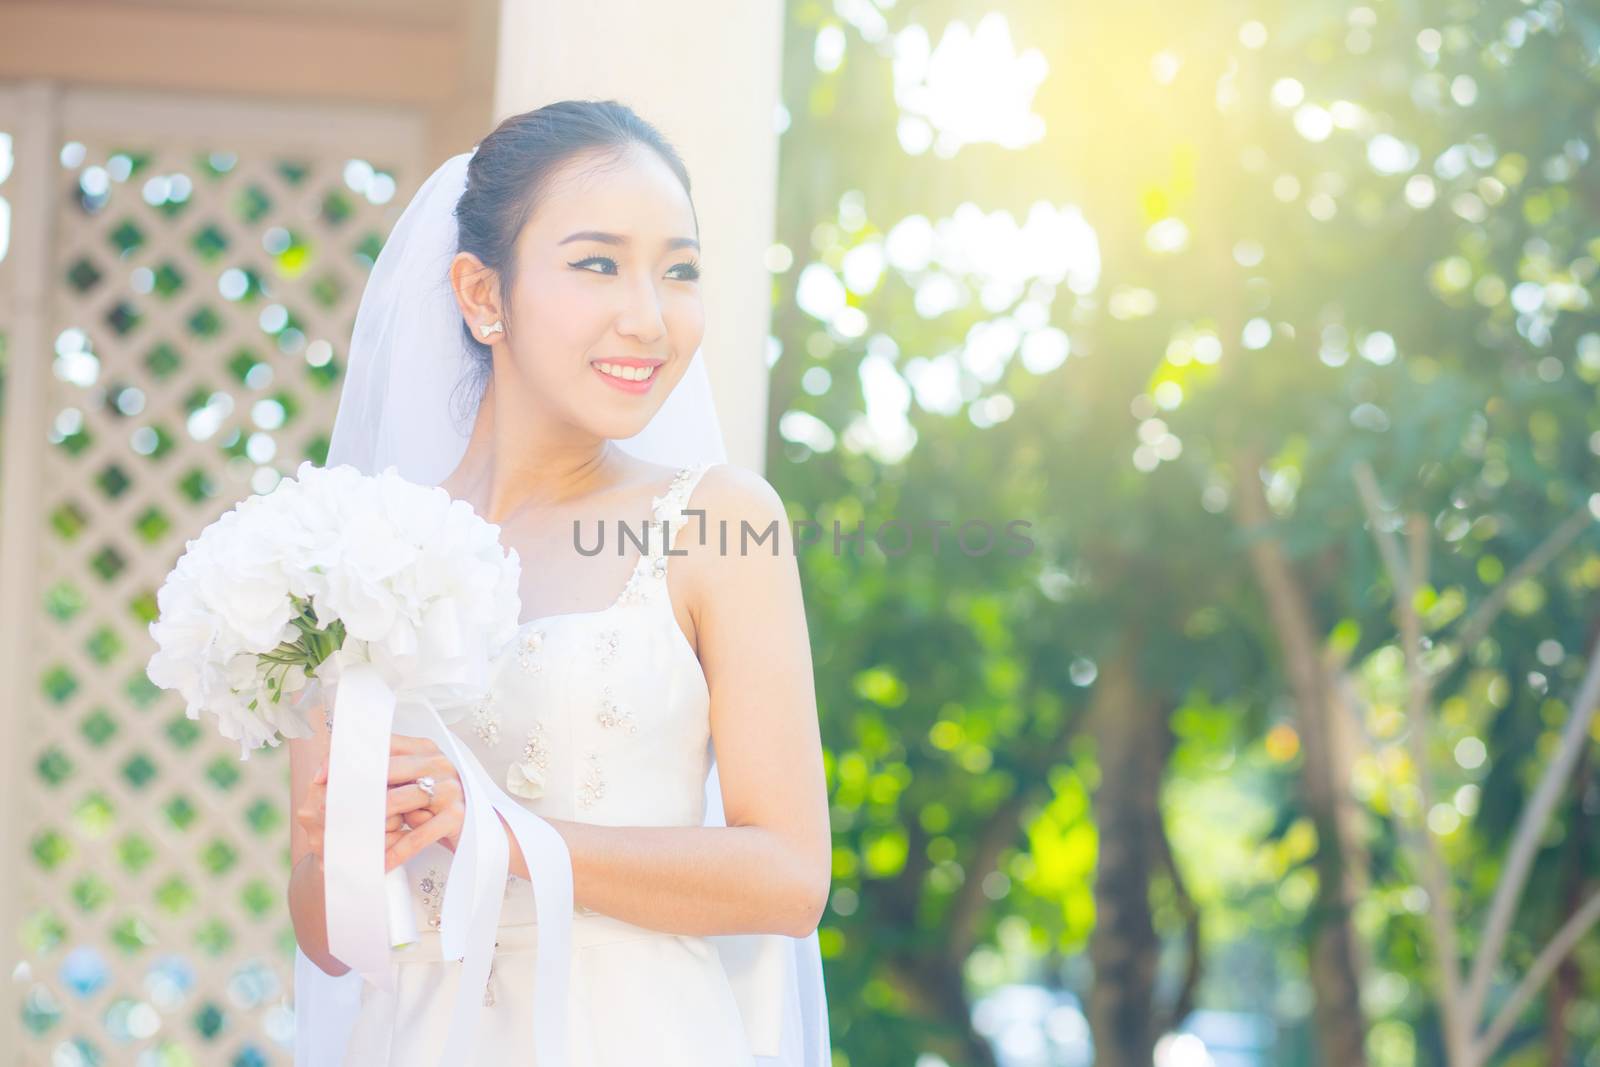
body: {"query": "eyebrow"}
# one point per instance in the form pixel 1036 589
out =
pixel 618 239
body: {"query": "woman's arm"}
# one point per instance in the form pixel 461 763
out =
pixel 307 801
pixel 769 870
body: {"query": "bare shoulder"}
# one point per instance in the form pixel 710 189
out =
pixel 736 536
pixel 739 494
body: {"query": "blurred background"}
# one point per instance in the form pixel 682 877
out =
pixel 1273 321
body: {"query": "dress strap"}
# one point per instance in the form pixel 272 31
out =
pixel 667 518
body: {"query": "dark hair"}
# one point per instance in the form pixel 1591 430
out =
pixel 510 171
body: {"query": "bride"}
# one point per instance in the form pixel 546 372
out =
pixel 657 708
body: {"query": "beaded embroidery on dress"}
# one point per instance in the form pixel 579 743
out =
pixel 603 717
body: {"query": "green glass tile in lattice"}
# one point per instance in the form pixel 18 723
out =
pixel 223 772
pixel 89 892
pixel 287 943
pixel 63 601
pixel 205 323
pixel 126 238
pixel 218 856
pixel 68 520
pixel 113 480
pixel 132 934
pixel 42 932
pixel 40 1010
pixel 288 404
pixel 138 770
pixel 54 766
pixel 152 442
pixel 135 852
pixel 264 816
pixel 162 361
pixel 144 607
pixel 336 207
pixel 171 209
pixel 50 849
pixel 291 251
pixel 152 525
pixel 59 684
pixel 175 896
pixel 365 251
pixel 108 563
pixel 242 362
pixel 252 289
pixel 209 242
pixel 294 171
pixel 98 727
pixel 141 690
pixel 317 450
pixel 209 1020
pixel 252 204
pixel 169 280
pixel 94 815
pixel 197 486
pixel 325 376
pixel 74 443
pixel 183 731
pixel 180 812
pixel 103 645
pixel 123 318
pixel 213 937
pixel 258 898
pixel 328 290
pixel 83 275
pixel 236 445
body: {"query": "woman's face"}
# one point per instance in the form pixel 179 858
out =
pixel 606 286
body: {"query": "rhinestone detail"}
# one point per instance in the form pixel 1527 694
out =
pixel 606 645
pixel 612 715
pixel 432 886
pixel 486 719
pixel 663 508
pixel 488 989
pixel 593 786
pixel 527 651
pixel 526 777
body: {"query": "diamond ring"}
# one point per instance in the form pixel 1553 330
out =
pixel 426 784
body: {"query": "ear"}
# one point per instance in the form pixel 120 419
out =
pixel 477 289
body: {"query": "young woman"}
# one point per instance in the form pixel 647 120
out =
pixel 657 708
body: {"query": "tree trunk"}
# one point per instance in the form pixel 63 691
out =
pixel 1132 740
pixel 1334 960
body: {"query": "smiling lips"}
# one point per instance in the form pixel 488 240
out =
pixel 629 375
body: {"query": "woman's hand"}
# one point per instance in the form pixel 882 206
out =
pixel 427 818
pixel 313 815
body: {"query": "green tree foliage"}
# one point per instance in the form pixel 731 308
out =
pixel 1274 241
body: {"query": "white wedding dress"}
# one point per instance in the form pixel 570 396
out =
pixel 601 717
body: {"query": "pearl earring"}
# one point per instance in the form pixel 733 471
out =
pixel 493 327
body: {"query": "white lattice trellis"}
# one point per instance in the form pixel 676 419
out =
pixel 198 275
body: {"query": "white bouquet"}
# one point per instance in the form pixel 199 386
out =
pixel 391 593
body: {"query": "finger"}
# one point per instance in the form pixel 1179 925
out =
pixel 393 823
pixel 405 744
pixel 441 825
pixel 408 797
pixel 407 768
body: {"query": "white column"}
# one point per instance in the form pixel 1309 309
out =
pixel 706 75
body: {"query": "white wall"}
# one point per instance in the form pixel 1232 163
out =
pixel 706 74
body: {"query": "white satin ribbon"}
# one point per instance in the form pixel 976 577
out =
pixel 365 715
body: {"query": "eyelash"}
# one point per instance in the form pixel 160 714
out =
pixel 692 264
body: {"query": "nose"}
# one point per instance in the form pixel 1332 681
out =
pixel 641 314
